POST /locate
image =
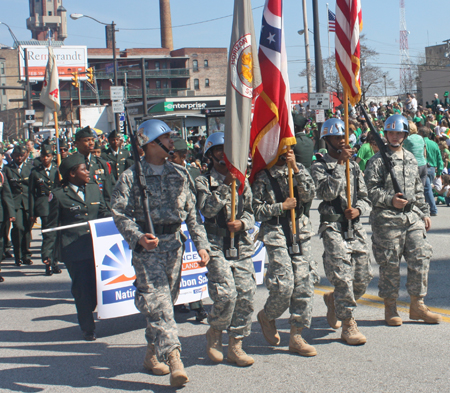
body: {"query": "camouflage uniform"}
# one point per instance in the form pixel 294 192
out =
pixel 398 233
pixel 346 262
pixel 231 283
pixel 158 272
pixel 290 278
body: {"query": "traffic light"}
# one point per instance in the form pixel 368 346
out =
pixel 75 79
pixel 90 74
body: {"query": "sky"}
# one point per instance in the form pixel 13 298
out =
pixel 381 21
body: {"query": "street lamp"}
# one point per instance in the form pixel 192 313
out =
pixel 113 30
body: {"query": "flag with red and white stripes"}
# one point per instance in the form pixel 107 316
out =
pixel 272 127
pixel 348 27
pixel 331 21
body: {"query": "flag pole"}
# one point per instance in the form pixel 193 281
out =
pixel 328 20
pixel 295 248
pixel 58 152
pixel 349 233
pixel 232 251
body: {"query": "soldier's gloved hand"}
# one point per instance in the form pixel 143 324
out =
pixel 229 178
pixel 290 159
pixel 234 226
pixel 346 154
pixel 289 203
pixel 352 213
pixel 203 254
pixel 398 202
pixel 427 221
pixel 148 241
pixel 12 219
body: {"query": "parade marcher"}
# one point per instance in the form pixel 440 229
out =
pixel 98 168
pixel 290 277
pixel 399 224
pixel 7 210
pixel 18 174
pixel 157 259
pixel 231 281
pixel 77 200
pixel 63 148
pixel 346 260
pixel 179 157
pixel 114 155
pixel 97 150
pixel 43 179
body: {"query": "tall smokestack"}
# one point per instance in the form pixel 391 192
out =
pixel 166 24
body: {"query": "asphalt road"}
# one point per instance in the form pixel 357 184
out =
pixel 41 347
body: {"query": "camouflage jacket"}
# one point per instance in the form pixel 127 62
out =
pixel 210 201
pixel 171 202
pixel 266 206
pixel 381 191
pixel 331 182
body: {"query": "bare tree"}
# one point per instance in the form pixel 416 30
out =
pixel 372 76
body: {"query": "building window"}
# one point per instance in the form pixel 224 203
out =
pixel 2 68
pixel 196 84
pixel 4 107
pixel 164 65
pixel 165 85
pixel 206 82
pixel 3 90
pixel 158 84
pixel 206 64
pixel 49 13
pixel 157 66
pixel 195 65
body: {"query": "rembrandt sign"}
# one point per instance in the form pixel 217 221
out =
pixel 68 60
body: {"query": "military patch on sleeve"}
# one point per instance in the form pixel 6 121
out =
pixel 50 197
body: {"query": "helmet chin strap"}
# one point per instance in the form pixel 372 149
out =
pixel 396 144
pixel 221 162
pixel 338 151
pixel 159 143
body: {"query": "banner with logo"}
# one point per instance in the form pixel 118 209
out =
pixel 115 273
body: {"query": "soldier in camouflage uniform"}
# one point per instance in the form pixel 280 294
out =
pixel 290 276
pixel 157 258
pixel 399 225
pixel 231 280
pixel 346 258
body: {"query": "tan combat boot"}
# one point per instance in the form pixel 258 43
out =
pixel 332 320
pixel 178 376
pixel 214 345
pixel 390 312
pixel 152 364
pixel 268 328
pixel 237 355
pixel 350 333
pixel 418 310
pixel 298 344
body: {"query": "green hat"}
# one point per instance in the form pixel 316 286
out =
pixel 85 132
pixel 179 144
pixel 300 120
pixel 446 94
pixel 71 161
pixel 20 149
pixel 114 134
pixel 97 145
pixel 63 143
pixel 46 149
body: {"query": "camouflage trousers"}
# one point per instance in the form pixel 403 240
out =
pixel 347 267
pixel 290 281
pixel 389 245
pixel 232 287
pixel 158 276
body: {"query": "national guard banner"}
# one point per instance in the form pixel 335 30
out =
pixel 115 274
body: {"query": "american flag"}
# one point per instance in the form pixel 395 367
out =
pixel 331 21
pixel 272 127
pixel 348 52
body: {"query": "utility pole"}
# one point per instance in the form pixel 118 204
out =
pixel 116 83
pixel 28 90
pixel 144 89
pixel 307 55
pixel 317 49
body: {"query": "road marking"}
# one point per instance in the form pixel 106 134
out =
pixel 378 302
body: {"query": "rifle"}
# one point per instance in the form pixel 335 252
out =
pixel 145 193
pixel 383 149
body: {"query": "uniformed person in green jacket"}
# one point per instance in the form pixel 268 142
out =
pixel 78 200
pixel 18 174
pixel 114 155
pixel 7 210
pixel 98 168
pixel 43 179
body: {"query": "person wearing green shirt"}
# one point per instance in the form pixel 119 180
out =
pixel 416 145
pixel 366 151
